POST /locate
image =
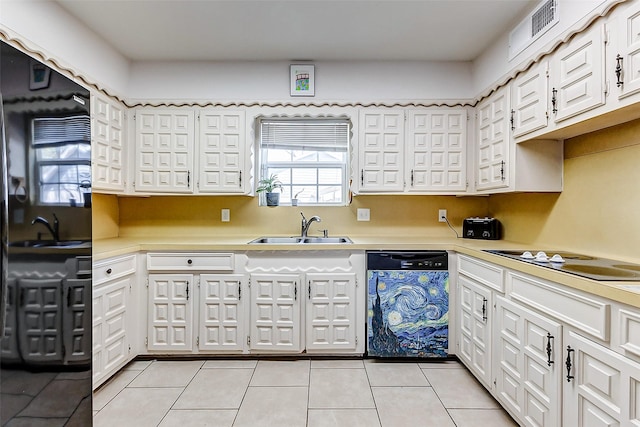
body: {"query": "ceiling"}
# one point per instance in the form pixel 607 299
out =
pixel 318 30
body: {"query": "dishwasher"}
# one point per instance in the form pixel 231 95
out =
pixel 407 304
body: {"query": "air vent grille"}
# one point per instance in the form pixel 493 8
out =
pixel 543 17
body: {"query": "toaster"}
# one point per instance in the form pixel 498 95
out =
pixel 481 228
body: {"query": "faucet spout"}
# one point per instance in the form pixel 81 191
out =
pixel 304 228
pixel 55 233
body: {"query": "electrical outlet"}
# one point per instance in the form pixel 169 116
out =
pixel 364 214
pixel 225 215
pixel 442 215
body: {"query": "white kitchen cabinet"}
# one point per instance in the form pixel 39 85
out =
pixel 529 100
pixel 436 150
pixel 112 289
pixel 527 364
pixel 108 131
pixel 601 387
pixel 275 312
pixel 164 150
pixel 176 310
pixel 221 323
pixel 578 75
pixel 381 150
pixel 331 311
pixel 625 65
pixel 502 164
pixel 475 319
pixel 170 325
pixel 493 143
pixel 221 151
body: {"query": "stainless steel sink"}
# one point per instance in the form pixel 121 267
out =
pixel 47 243
pixel 301 240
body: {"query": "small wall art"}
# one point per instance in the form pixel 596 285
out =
pixel 303 80
pixel 39 76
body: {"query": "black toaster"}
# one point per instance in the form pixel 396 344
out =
pixel 481 228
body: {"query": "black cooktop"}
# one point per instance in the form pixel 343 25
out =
pixel 594 268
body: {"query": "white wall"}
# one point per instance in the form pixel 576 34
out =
pixel 45 27
pixel 494 64
pixel 269 81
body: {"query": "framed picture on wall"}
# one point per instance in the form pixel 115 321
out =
pixel 39 75
pixel 302 80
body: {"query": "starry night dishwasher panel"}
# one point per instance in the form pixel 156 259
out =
pixel 408 304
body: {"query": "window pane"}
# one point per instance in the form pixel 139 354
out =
pixel 330 176
pixel 330 194
pixel 304 176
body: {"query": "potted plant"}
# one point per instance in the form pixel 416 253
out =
pixel 267 186
pixel 294 201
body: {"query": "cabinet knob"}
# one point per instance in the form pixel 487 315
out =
pixel 189 261
pixel 108 271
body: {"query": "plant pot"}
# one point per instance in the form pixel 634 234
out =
pixel 273 199
pixel 294 202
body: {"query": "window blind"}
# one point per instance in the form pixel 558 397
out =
pixel 314 135
pixel 61 130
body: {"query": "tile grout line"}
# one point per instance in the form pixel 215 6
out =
pixel 181 393
pixel 373 397
pixel 246 390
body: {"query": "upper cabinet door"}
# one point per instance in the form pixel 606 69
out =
pixel 381 141
pixel 221 151
pixel 529 100
pixel 107 140
pixel 436 147
pixel 578 75
pixel 627 54
pixel 493 141
pixel 164 150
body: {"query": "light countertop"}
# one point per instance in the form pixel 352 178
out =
pixel 624 292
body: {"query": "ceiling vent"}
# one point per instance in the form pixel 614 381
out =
pixel 533 27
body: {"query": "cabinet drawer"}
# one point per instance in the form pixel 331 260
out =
pixel 113 268
pixel 483 272
pixel 583 312
pixel 629 333
pixel 190 261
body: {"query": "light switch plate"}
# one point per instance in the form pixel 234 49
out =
pixel 225 215
pixel 364 214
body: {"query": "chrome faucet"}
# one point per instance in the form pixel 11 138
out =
pixel 304 228
pixel 53 230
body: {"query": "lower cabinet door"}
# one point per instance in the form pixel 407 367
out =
pixel 275 312
pixel 528 364
pixel 221 314
pixel 601 387
pixel 475 328
pixel 76 321
pixel 331 311
pixel 170 323
pixel 110 340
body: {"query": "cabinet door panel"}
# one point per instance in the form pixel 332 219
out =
pixel 578 75
pixel 629 51
pixel 529 99
pixel 275 314
pixel 528 363
pixel 493 141
pixel 221 314
pixel 604 388
pixel 331 311
pixel 164 150
pixel 221 152
pixel 76 321
pixel 475 334
pixel 107 132
pixel 381 150
pixel 170 312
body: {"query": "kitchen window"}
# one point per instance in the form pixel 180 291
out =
pixel 310 158
pixel 62 154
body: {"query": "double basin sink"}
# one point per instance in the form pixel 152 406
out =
pixel 300 240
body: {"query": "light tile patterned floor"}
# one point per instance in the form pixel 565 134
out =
pixel 282 393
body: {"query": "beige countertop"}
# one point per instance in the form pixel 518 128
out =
pixel 624 292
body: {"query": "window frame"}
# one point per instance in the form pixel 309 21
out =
pixel 265 167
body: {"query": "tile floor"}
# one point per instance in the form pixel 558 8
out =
pixel 314 393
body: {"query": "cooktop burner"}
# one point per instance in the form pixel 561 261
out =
pixel 580 265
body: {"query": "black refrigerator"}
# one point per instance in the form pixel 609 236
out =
pixel 45 299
